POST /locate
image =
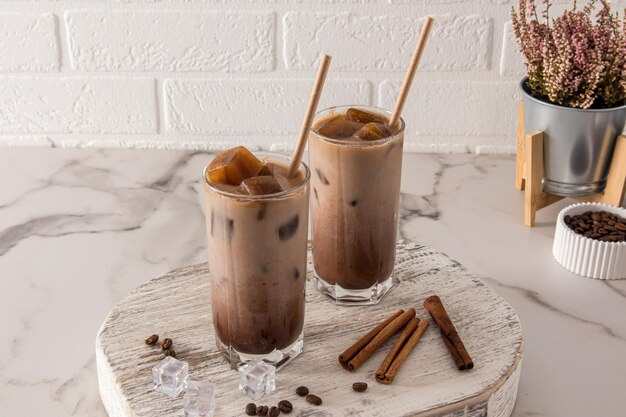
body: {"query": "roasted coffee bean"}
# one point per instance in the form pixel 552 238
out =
pixel 302 391
pixel 152 339
pixel 274 412
pixel 313 399
pixel 166 344
pixel 169 352
pixel 262 410
pixel 285 406
pixel 599 225
pixel 359 386
pixel 251 409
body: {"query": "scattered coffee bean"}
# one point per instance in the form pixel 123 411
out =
pixel 262 410
pixel 302 391
pixel 251 409
pixel 169 352
pixel 274 412
pixel 359 386
pixel 152 339
pixel 314 399
pixel 285 406
pixel 166 344
pixel 598 225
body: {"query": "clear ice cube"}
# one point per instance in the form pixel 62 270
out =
pixel 199 399
pixel 257 378
pixel 170 376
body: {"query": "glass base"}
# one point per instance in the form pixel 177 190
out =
pixel 278 357
pixel 342 296
pixel 573 190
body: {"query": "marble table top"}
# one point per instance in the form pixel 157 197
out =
pixel 80 228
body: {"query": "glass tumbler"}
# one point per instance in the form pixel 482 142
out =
pixel 354 210
pixel 257 247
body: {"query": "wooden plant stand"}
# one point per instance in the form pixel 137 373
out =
pixel 529 173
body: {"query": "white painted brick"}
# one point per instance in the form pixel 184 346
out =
pixel 77 104
pixel 360 42
pixel 456 108
pixel 171 41
pixel 511 61
pixel 249 106
pixel 28 42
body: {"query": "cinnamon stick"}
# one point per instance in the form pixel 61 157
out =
pixel 390 367
pixel 358 353
pixel 450 336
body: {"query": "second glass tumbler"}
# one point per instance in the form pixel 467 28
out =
pixel 355 181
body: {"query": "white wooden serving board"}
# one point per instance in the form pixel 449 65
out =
pixel 177 305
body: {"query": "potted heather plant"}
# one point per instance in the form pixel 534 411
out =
pixel 575 90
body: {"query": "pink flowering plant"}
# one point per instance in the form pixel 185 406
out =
pixel 573 60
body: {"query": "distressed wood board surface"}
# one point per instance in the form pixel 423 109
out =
pixel 177 305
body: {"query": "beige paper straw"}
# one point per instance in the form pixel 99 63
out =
pixel 410 73
pixel 308 117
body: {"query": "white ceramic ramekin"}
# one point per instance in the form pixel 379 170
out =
pixel 585 256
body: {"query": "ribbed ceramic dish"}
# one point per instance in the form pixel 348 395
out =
pixel 585 256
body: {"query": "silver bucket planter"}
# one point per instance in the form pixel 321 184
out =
pixel 577 144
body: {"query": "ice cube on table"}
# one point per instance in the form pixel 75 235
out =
pixel 373 131
pixel 233 166
pixel 170 376
pixel 257 378
pixel 265 184
pixel 339 127
pixel 363 116
pixel 199 399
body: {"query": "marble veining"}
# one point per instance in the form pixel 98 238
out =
pixel 79 229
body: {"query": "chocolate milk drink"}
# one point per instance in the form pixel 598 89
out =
pixel 356 162
pixel 257 224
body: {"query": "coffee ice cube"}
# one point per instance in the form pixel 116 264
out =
pixel 338 127
pixel 170 376
pixel 363 116
pixel 372 131
pixel 265 184
pixel 199 399
pixel 233 166
pixel 256 378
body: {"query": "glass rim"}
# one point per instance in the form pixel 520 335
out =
pixel 247 197
pixel 357 142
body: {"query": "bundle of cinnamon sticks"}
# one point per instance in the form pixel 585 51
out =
pixel 412 330
pixel 358 353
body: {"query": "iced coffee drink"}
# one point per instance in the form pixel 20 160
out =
pixel 257 225
pixel 356 162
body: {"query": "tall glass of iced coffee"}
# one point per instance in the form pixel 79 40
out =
pixel 356 162
pixel 257 225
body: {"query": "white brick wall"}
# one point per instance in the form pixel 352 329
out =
pixel 213 73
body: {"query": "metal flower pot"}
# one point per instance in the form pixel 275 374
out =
pixel 577 144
